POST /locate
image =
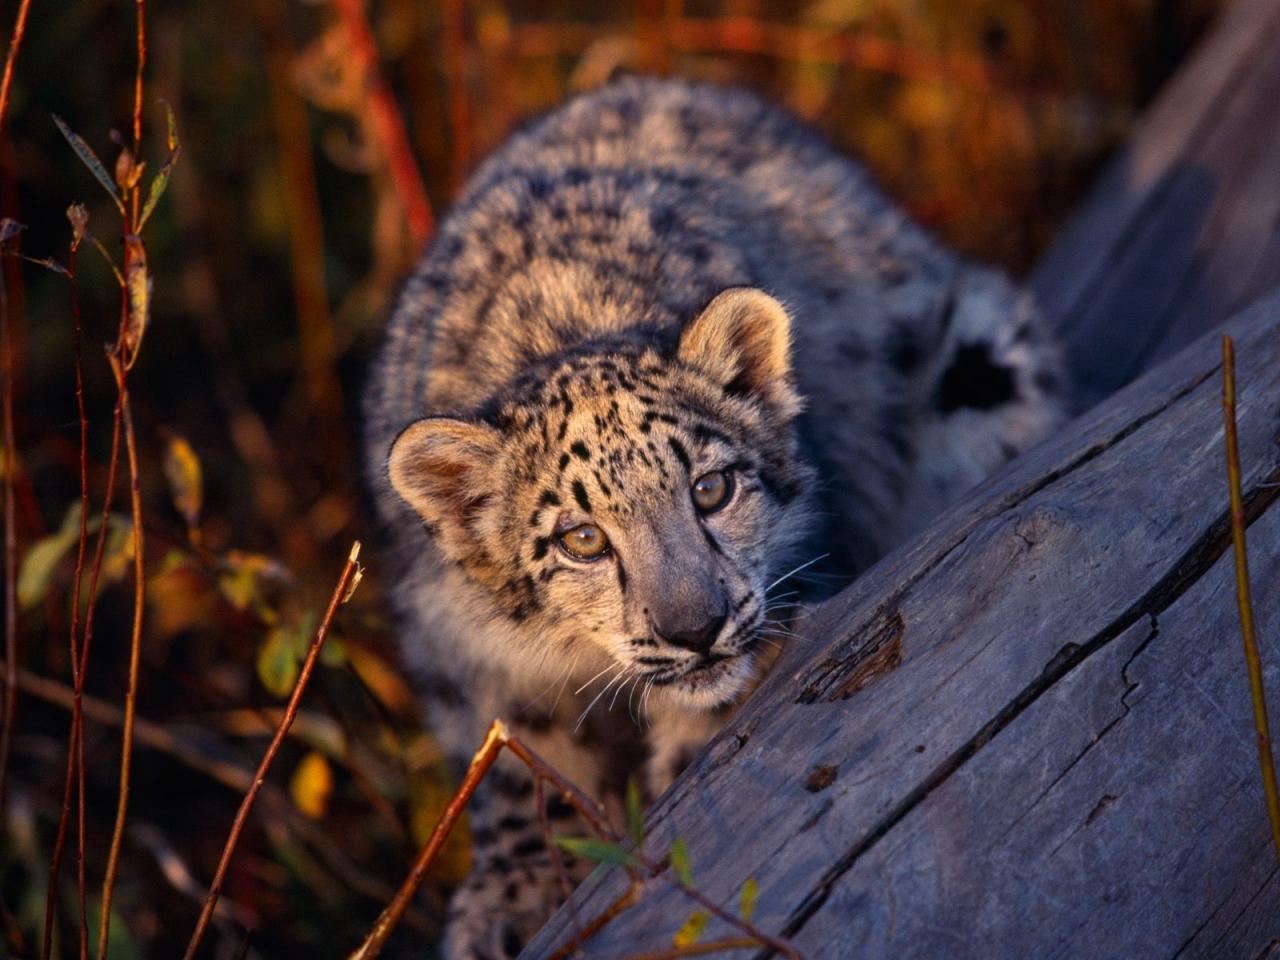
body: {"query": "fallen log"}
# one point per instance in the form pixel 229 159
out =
pixel 1183 230
pixel 1027 732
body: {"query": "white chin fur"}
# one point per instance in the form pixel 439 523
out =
pixel 707 693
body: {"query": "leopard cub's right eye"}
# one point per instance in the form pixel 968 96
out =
pixel 585 542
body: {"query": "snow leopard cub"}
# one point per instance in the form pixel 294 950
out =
pixel 667 346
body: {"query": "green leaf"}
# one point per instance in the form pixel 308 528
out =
pixel 41 562
pixel 680 862
pixel 333 653
pixel 38 567
pixel 635 812
pixel 691 930
pixel 750 894
pixel 160 182
pixel 90 160
pixel 601 851
pixel 277 665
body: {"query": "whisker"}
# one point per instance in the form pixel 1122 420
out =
pixel 622 686
pixel 603 690
pixel 792 573
pixel 630 711
pixel 593 679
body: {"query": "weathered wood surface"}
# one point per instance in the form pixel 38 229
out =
pixel 1183 230
pixel 1032 722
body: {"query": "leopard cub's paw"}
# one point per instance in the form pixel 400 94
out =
pixel 499 909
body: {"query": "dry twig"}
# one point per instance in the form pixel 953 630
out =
pixel 135 648
pixel 595 818
pixel 386 125
pixel 10 455
pixel 1243 600
pixel 341 593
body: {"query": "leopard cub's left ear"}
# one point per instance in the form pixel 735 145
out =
pixel 743 340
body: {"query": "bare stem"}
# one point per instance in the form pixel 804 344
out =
pixel 135 646
pixel 595 817
pixel 75 743
pixel 15 44
pixel 341 593
pixel 629 897
pixel 386 124
pixel 1243 600
pixel 494 741
pixel 562 876
pixel 10 545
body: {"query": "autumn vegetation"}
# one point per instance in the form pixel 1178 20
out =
pixel 226 196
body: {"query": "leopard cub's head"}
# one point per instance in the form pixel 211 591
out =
pixel 631 502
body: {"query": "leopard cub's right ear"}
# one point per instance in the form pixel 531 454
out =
pixel 440 466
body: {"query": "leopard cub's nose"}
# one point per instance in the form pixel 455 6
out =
pixel 697 639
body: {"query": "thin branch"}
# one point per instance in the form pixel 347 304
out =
pixel 557 861
pixel 10 459
pixel 599 822
pixel 135 646
pixel 76 665
pixel 75 743
pixel 15 44
pixel 386 124
pixel 10 545
pixel 164 740
pixel 75 748
pixel 497 738
pixel 341 593
pixel 629 898
pixel 494 741
pixel 1243 600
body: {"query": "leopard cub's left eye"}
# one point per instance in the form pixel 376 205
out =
pixel 711 491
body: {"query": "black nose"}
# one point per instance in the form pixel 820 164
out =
pixel 699 639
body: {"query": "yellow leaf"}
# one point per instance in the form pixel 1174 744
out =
pixel 385 683
pixel 138 281
pixel 186 482
pixel 312 785
pixel 691 929
pixel 750 894
pixel 179 596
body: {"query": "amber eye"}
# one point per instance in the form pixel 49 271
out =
pixel 585 542
pixel 711 491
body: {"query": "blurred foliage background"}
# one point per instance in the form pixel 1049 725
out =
pixel 289 221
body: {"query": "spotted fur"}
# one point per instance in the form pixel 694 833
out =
pixel 656 281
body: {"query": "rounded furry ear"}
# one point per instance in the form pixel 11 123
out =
pixel 439 466
pixel 743 340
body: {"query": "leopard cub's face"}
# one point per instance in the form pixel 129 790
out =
pixel 629 504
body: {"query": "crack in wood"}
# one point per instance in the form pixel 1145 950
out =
pixel 1191 565
pixel 880 653
pixel 816 687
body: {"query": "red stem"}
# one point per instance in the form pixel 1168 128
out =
pixel 341 594
pixel 387 126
